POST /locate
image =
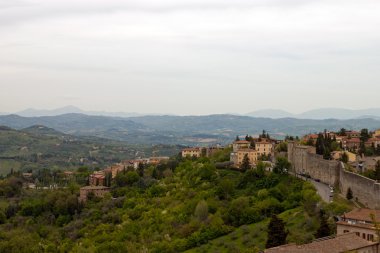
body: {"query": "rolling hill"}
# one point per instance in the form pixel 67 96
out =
pixel 181 130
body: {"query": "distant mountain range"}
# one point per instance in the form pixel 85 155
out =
pixel 324 113
pixel 181 130
pixel 30 112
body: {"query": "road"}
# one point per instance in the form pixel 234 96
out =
pixel 323 190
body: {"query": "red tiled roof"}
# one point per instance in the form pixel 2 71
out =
pixel 339 244
pixel 353 140
pixel 241 142
pixel 362 214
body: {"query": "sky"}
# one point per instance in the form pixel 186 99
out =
pixel 189 57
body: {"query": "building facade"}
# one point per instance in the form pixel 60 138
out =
pixel 361 222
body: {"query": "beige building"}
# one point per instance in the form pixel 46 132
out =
pixel 264 148
pixel 237 157
pixel 98 191
pixel 240 145
pixel 192 152
pixel 377 133
pixel 345 243
pixel 359 221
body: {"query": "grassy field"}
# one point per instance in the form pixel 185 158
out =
pixel 254 236
pixel 7 165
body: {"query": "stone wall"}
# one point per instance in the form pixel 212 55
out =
pixel 365 190
pixel 305 161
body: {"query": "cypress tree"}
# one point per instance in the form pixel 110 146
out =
pixel 276 233
pixel 246 163
pixel 349 194
pixel 324 229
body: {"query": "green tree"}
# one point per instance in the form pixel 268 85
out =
pixel 276 233
pixel 377 171
pixel 364 135
pixel 349 194
pixel 246 163
pixel 342 132
pixel 225 189
pixel 237 138
pixel 282 166
pixel 201 210
pixel 344 157
pixel 324 228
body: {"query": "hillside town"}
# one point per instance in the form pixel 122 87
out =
pixel 356 231
pixel 345 164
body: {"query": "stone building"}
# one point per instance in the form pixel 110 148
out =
pixel 345 243
pixel 240 145
pixel 237 157
pixel 97 191
pixel 264 148
pixel 192 152
pixel 360 222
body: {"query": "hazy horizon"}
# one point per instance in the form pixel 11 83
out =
pixel 191 57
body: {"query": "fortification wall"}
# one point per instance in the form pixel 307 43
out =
pixel 325 170
pixel 304 160
pixel 365 190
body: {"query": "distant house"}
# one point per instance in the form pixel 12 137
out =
pixel 311 137
pixel 351 144
pixel 97 191
pixel 192 152
pixel 240 145
pixel 27 175
pixel 264 148
pixel 353 134
pixel 337 155
pixel 373 142
pixel 238 157
pixel 377 133
pixel 97 179
pixel 345 243
pixel 157 160
pixel 359 221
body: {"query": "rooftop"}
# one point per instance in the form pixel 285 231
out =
pixel 362 214
pixel 339 244
pixel 241 142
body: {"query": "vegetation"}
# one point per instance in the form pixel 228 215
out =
pixel 325 144
pixel 190 204
pixel 39 148
pixel 276 233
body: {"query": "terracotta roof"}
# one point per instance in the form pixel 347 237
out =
pixel 191 149
pixel 356 140
pixel 339 244
pixel 241 142
pixel 362 214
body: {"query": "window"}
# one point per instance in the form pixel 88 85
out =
pixel 346 231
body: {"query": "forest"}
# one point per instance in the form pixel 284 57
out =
pixel 182 205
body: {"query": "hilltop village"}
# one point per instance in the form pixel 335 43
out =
pixel 261 194
pixel 355 152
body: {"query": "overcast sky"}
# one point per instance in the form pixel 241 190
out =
pixel 189 56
